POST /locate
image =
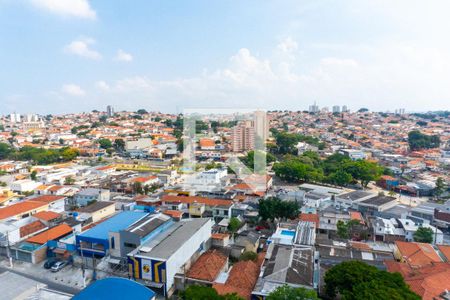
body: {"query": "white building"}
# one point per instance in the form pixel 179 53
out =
pixel 207 181
pixel 353 154
pixel 336 109
pixel 156 262
pixel 411 227
pixel 24 185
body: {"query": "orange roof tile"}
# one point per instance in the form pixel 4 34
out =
pixel 310 218
pixel 47 215
pixel 47 198
pixel 19 208
pixel 429 281
pixel 173 213
pixel 208 266
pixel 31 228
pixel 192 199
pixel 418 254
pixel 51 234
pixel 220 236
pixel 445 250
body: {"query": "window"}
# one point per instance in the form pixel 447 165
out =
pixel 130 245
pixel 113 246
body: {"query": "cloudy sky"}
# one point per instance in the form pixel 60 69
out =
pixel 61 56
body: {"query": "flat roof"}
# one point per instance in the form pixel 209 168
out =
pixel 355 195
pixel 95 206
pixel 181 232
pixel 379 200
pixel 116 223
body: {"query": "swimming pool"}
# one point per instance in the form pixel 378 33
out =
pixel 288 232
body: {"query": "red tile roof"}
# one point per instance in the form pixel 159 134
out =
pixel 173 213
pixel 47 215
pixel 417 254
pixel 31 228
pixel 208 266
pixel 310 218
pixel 445 250
pixel 19 208
pixel 428 282
pixel 47 198
pixel 192 199
pixel 51 234
pixel 242 278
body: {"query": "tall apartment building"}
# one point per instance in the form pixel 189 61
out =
pixel 314 108
pixel 344 108
pixel 261 125
pixel 110 111
pixel 243 137
pixel 336 109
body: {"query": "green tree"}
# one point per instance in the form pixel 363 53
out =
pixel 418 140
pixel 119 144
pixel 248 255
pixel 5 150
pixel 286 292
pixel 68 154
pixel 352 279
pixel 273 207
pixel 33 175
pixel 340 177
pixel 69 180
pixel 141 111
pixel 198 292
pixel 423 235
pixel 137 188
pixel 105 143
pixel 345 230
pixel 440 186
pixel 234 225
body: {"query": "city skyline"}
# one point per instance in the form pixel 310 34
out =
pixel 74 56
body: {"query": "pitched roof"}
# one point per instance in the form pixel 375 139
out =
pixel 208 266
pixel 417 254
pixel 47 215
pixel 310 218
pixel 445 250
pixel 242 278
pixel 31 228
pixel 428 282
pixel 192 199
pixel 47 198
pixel 19 208
pixel 51 234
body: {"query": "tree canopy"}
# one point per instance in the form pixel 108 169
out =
pixel 286 292
pixel 38 155
pixel 198 292
pixel 418 140
pixel 273 207
pixel 423 235
pixel 357 280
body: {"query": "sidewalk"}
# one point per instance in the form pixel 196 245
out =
pixel 69 276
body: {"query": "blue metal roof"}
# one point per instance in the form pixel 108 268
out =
pixel 116 223
pixel 115 288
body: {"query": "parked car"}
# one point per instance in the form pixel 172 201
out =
pixel 58 266
pixel 50 262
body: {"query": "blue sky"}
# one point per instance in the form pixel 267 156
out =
pixel 61 56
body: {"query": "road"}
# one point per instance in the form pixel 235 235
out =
pixel 51 285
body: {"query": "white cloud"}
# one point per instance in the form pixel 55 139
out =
pixel 288 45
pixel 73 8
pixel 123 56
pixel 73 90
pixel 81 47
pixel 102 85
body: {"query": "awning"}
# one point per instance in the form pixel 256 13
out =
pixel 59 251
pixel 114 261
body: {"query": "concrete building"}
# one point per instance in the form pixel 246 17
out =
pixel 110 111
pixel 156 262
pixel 85 196
pixel 243 137
pixel 261 125
pixel 24 185
pixel 97 211
pixel 336 109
